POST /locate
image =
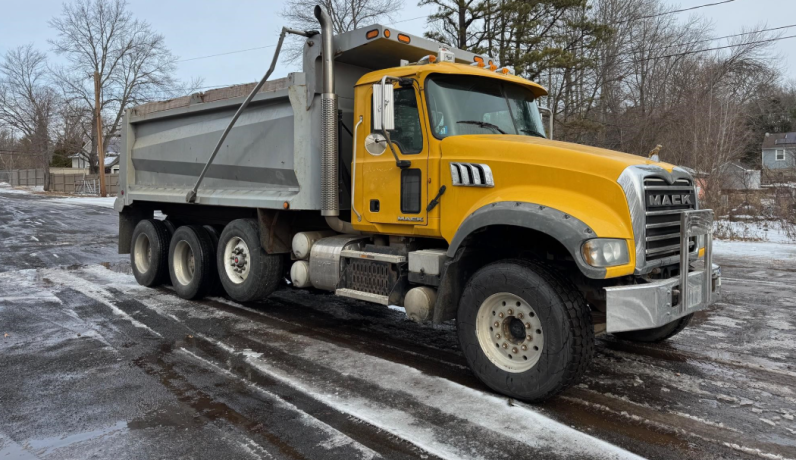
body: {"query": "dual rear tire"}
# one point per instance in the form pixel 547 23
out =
pixel 198 261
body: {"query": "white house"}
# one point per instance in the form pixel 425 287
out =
pixel 79 160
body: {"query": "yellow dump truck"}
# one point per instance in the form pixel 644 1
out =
pixel 398 171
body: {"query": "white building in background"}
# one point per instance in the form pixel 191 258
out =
pixel 80 161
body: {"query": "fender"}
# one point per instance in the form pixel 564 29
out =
pixel 568 230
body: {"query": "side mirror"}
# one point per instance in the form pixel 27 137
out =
pixel 383 107
pixel 550 114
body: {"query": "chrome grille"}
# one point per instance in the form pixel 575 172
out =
pixel 664 204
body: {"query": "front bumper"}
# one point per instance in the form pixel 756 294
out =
pixel 658 302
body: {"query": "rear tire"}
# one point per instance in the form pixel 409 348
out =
pixel 191 262
pixel 544 338
pixel 246 271
pixel 658 334
pixel 149 253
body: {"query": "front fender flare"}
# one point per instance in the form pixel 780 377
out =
pixel 566 229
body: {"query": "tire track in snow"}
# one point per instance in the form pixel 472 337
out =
pixel 96 293
pixel 336 443
pixel 399 399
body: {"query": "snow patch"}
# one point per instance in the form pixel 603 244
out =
pixel 105 202
pixel 489 412
pixel 88 289
pixel 336 439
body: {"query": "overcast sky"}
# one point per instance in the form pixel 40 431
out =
pixel 196 28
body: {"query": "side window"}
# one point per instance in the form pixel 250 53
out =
pixel 408 134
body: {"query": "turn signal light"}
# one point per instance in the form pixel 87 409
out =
pixel 372 34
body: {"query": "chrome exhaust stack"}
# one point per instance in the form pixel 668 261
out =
pixel 330 201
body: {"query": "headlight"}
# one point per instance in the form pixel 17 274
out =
pixel 605 252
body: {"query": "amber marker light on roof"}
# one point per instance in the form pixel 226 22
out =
pixel 372 34
pixel 404 38
pixel 387 33
pixel 478 59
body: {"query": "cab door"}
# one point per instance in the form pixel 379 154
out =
pixel 393 198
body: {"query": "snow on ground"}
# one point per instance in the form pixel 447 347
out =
pixel 770 251
pixel 106 202
pixel 7 189
pixel 763 230
pixel 769 240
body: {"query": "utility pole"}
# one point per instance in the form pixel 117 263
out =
pixel 100 149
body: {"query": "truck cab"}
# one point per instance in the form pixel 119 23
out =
pixel 439 190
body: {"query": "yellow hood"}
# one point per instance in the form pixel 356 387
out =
pixel 545 153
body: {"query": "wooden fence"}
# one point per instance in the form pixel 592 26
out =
pixel 63 183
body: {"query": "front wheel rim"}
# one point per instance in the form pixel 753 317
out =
pixel 509 332
pixel 237 260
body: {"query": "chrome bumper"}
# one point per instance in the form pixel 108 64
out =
pixel 659 302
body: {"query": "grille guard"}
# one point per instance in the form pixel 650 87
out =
pixel 652 304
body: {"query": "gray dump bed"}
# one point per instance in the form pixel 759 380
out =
pixel 272 155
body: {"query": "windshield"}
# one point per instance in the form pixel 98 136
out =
pixel 463 104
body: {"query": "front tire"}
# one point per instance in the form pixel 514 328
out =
pixel 149 253
pixel 658 334
pixel 525 332
pixel 246 271
pixel 191 262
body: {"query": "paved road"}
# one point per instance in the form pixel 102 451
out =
pixel 94 366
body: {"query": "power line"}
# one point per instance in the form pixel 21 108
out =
pixel 686 53
pixel 673 11
pixel 731 36
pixel 411 19
pixel 768 40
pixel 227 53
pixel 674 45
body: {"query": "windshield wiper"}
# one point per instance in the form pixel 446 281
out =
pixel 533 133
pixel 483 124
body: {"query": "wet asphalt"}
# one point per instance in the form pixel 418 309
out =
pixel 94 366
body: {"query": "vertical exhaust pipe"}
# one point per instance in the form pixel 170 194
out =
pixel 330 200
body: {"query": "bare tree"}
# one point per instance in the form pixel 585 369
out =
pixel 27 103
pixel 132 60
pixel 458 23
pixel 346 15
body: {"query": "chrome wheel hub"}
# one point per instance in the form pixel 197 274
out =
pixel 237 260
pixel 509 332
